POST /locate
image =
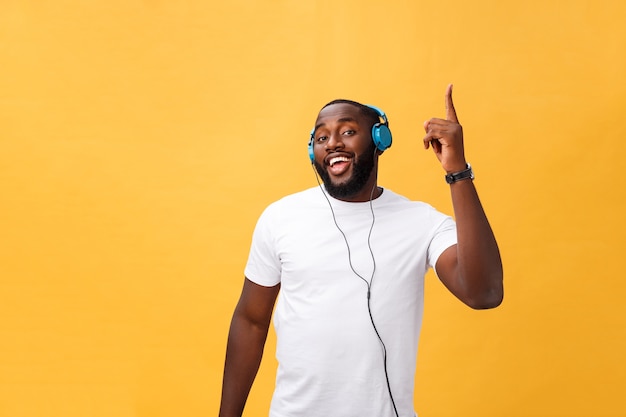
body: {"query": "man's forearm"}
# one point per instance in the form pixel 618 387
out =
pixel 243 357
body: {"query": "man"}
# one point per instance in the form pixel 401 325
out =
pixel 349 259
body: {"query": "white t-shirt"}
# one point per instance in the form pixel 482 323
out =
pixel 330 358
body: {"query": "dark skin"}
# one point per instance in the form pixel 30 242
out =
pixel 342 138
pixel 471 269
pixel 246 339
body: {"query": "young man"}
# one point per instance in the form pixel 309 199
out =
pixel 347 262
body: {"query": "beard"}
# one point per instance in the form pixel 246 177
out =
pixel 362 167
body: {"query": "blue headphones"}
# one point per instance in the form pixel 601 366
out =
pixel 381 135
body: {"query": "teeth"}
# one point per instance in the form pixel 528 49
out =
pixel 336 159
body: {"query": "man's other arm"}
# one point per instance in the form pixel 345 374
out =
pixel 471 269
pixel 246 340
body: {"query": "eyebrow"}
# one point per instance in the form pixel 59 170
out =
pixel 341 120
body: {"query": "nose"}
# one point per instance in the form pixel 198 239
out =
pixel 334 142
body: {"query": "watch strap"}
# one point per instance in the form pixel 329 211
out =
pixel 467 173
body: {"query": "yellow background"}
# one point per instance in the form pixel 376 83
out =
pixel 140 140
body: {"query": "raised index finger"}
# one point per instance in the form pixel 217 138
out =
pixel 450 112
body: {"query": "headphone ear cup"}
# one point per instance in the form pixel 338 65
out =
pixel 381 135
pixel 311 154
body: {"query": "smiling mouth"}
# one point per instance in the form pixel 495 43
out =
pixel 338 165
pixel 337 159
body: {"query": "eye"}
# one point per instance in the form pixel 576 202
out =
pixel 348 132
pixel 321 139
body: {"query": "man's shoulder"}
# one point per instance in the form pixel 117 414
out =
pixel 398 200
pixel 300 197
pixel 295 201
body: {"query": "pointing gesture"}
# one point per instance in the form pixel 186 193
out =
pixel 446 137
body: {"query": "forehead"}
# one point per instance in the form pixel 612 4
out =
pixel 339 112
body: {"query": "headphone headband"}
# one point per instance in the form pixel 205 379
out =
pixel 381 113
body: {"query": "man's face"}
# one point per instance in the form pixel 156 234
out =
pixel 345 154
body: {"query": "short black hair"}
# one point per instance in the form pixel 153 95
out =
pixel 370 114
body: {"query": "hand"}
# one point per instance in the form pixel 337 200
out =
pixel 446 138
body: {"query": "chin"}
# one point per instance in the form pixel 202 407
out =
pixel 351 182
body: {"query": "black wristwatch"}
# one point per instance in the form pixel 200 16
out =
pixel 467 173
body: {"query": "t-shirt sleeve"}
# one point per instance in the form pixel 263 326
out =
pixel 444 237
pixel 263 266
